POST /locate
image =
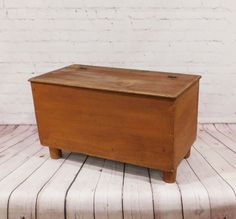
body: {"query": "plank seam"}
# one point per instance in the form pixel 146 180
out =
pixel 21 164
pixel 150 182
pixel 219 141
pixel 122 193
pixel 19 141
pixel 181 199
pixel 227 124
pixel 223 134
pixel 217 172
pixel 17 152
pixel 8 201
pixel 36 202
pixel 5 127
pixel 217 151
pixel 209 199
pixel 65 199
pixel 5 131
pixel 14 136
pixel 94 216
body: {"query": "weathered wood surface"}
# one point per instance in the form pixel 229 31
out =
pixel 125 115
pixel 32 186
pixel 151 83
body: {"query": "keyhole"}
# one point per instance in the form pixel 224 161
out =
pixel 172 76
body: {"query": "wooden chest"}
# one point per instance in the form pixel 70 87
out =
pixel 139 117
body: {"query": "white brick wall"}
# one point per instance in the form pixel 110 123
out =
pixel 194 36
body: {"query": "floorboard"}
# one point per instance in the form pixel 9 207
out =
pixel 32 186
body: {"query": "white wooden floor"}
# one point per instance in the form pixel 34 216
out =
pixel 34 186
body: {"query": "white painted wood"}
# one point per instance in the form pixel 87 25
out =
pixel 81 195
pixel 18 138
pixel 52 206
pixel 225 130
pixel 137 193
pixel 232 127
pixel 194 195
pixel 34 186
pixel 9 184
pixel 220 137
pixel 16 131
pixel 166 197
pixel 224 151
pixel 220 158
pixel 7 129
pixel 2 127
pixel 21 155
pixel 108 195
pixel 14 149
pixel 220 195
pixel 22 201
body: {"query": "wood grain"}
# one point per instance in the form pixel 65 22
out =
pixel 137 193
pixel 185 124
pixel 110 125
pixel 126 115
pixel 6 129
pixel 33 186
pixel 54 206
pixel 80 198
pixel 109 191
pixel 163 195
pixel 151 83
pixel 195 198
pixel 55 153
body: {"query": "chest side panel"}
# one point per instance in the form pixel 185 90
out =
pixel 131 128
pixel 186 114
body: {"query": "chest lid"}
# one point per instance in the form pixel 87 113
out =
pixel 153 83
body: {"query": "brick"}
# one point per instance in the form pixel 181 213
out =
pixel 62 4
pixel 180 36
pixel 65 13
pixel 2 13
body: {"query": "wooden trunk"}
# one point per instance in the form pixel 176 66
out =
pixel 139 117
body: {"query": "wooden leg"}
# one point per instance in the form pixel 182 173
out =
pixel 187 155
pixel 55 153
pixel 169 177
